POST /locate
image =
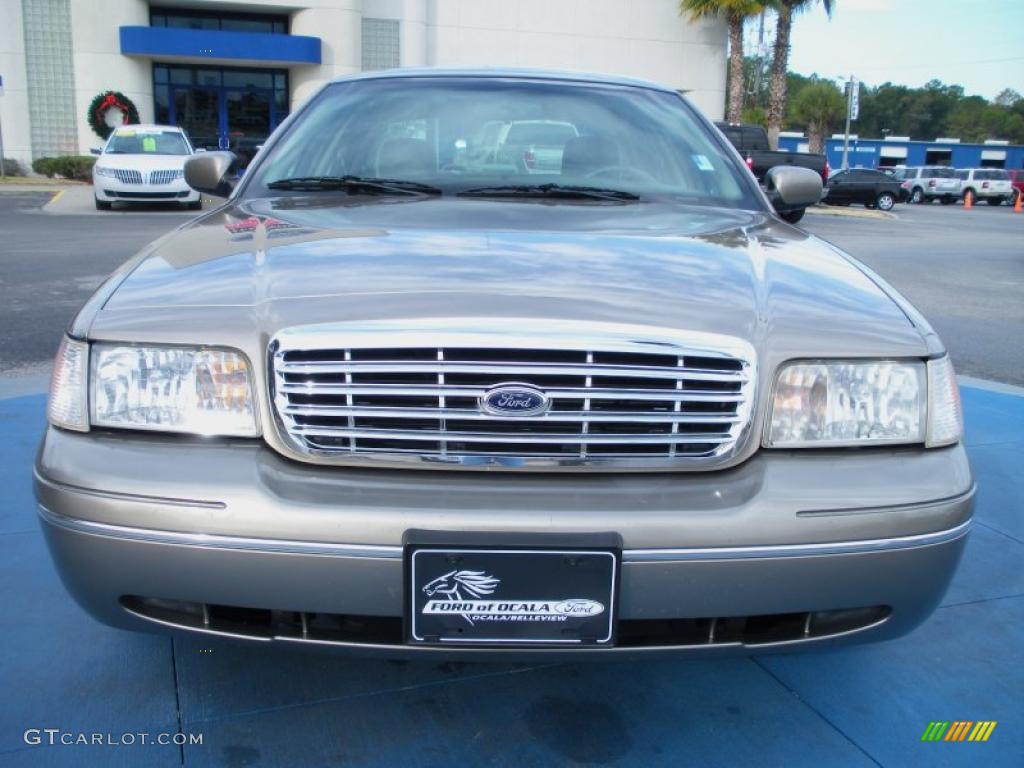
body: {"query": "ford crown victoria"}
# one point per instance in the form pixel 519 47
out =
pixel 396 398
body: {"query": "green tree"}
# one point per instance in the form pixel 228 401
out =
pixel 818 106
pixel 780 61
pixel 736 12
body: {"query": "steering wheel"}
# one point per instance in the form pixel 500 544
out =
pixel 623 171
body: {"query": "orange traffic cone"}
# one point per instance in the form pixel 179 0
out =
pixel 1017 206
pixel 968 200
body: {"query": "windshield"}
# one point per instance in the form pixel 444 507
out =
pixel 135 141
pixel 459 134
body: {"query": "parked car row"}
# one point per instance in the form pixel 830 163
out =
pixel 922 184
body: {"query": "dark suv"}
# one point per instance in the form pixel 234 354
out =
pixel 873 189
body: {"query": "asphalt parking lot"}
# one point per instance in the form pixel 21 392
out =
pixel 256 706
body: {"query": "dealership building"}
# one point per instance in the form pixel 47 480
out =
pixel 229 72
pixel 902 150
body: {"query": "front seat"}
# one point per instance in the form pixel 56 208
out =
pixel 400 158
pixel 586 154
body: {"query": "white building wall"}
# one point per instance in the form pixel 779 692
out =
pixel 642 38
pixel 338 23
pixel 14 119
pixel 639 38
pixel 99 65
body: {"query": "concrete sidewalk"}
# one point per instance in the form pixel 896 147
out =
pixel 863 706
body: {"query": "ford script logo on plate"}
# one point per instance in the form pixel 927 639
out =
pixel 514 400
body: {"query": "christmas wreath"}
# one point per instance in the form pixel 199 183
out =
pixel 107 101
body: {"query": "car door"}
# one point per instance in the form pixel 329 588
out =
pixel 862 187
pixel 839 187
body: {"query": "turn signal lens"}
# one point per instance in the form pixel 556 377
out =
pixel 68 404
pixel 945 414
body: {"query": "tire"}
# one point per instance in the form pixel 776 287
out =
pixel 995 200
pixel 917 196
pixel 793 216
pixel 885 201
pixel 101 205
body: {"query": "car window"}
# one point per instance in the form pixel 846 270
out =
pixel 431 130
pixel 136 141
pixel 999 176
pixel 545 134
pixel 963 175
pixel 941 173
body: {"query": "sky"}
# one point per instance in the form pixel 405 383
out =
pixel 978 44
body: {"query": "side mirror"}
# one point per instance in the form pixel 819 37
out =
pixel 208 172
pixel 96 151
pixel 789 187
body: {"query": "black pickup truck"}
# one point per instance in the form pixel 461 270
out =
pixel 752 143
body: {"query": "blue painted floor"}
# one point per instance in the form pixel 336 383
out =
pixel 866 705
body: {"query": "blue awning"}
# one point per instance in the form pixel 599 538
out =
pixel 257 48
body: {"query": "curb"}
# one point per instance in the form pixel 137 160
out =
pixel 855 213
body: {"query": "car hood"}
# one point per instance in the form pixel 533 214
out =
pixel 142 162
pixel 242 273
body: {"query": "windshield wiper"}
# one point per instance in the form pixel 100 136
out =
pixel 564 191
pixel 360 183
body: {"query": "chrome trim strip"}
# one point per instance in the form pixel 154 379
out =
pixel 908 507
pixel 122 496
pixel 281 546
pixel 218 541
pixel 798 550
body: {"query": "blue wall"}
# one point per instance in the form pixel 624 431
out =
pixel 865 153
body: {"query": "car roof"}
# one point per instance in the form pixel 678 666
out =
pixel 521 73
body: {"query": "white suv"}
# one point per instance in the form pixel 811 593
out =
pixel 992 185
pixel 926 183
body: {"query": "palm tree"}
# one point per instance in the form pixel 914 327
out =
pixel 780 61
pixel 819 105
pixel 735 12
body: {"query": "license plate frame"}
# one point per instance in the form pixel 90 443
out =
pixel 541 591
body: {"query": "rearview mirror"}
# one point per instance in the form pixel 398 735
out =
pixel 789 187
pixel 208 172
pixel 96 150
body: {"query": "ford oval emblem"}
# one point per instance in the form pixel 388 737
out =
pixel 514 400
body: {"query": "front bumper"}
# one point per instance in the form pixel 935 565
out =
pixel 109 189
pixel 240 532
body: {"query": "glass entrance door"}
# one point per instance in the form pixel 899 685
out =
pixel 221 107
pixel 197 110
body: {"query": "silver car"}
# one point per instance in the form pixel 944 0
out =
pixel 385 403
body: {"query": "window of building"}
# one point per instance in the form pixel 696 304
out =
pixel 187 18
pixel 380 44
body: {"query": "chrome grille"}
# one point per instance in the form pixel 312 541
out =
pixel 128 176
pixel 637 400
pixel 164 176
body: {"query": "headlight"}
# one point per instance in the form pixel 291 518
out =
pixel 172 389
pixel 100 170
pixel 68 404
pixel 823 404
